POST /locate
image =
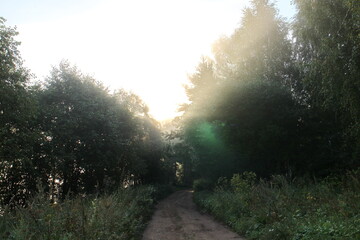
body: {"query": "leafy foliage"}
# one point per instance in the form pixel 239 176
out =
pixel 263 106
pixel 270 105
pixel 69 133
pixel 327 50
pixel 18 129
pixel 90 136
pixel 283 209
pixel 122 214
pixel 202 185
pixel 242 108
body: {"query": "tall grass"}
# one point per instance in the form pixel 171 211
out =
pixel 120 215
pixel 283 209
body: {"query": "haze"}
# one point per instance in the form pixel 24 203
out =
pixel 148 47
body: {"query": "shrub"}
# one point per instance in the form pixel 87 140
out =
pixel 243 182
pixel 120 215
pixel 279 209
pixel 202 184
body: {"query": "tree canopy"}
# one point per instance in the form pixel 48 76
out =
pixel 274 98
pixel 70 134
pixel 278 97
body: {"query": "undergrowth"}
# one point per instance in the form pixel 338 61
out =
pixel 120 215
pixel 287 209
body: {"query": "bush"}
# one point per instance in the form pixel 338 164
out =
pixel 243 182
pixel 202 185
pixel 162 191
pixel 279 209
pixel 120 215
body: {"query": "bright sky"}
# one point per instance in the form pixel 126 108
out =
pixel 145 46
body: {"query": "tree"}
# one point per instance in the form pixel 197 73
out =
pixel 90 134
pixel 18 132
pixel 327 41
pixel 150 166
pixel 96 141
pixel 243 111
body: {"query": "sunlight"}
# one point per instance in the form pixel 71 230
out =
pixel 147 47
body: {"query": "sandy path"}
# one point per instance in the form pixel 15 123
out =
pixel 176 218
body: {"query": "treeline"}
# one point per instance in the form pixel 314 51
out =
pixel 69 134
pixel 277 97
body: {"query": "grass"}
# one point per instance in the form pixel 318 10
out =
pixel 120 215
pixel 283 209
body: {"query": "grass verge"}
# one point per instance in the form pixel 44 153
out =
pixel 120 215
pixel 282 209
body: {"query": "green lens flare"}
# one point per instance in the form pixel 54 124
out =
pixel 209 137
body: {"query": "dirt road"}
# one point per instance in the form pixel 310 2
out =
pixel 176 218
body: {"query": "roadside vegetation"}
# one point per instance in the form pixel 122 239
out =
pixel 283 208
pixel 272 128
pixel 76 160
pixel 269 136
pixel 122 214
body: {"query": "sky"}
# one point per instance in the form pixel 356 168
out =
pixel 148 47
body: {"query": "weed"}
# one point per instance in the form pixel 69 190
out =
pixel 120 215
pixel 284 209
